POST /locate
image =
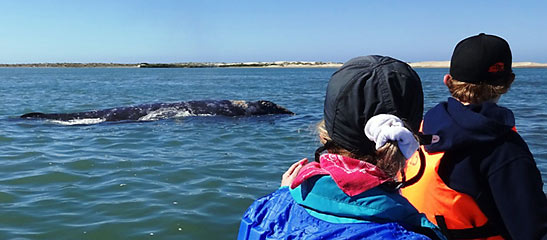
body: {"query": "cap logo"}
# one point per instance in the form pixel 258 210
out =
pixel 498 67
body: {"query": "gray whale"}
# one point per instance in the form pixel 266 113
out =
pixel 156 111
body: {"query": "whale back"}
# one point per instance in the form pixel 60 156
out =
pixel 147 112
pixel 33 115
pixel 262 107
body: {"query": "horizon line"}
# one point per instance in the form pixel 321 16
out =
pixel 288 64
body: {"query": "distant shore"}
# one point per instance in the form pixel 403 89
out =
pixel 278 64
pixel 446 64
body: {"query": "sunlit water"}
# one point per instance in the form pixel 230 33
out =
pixel 182 178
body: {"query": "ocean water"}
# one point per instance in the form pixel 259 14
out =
pixel 183 178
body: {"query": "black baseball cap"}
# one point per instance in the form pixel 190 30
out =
pixel 481 59
pixel 365 87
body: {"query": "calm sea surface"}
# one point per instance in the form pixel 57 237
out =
pixel 185 178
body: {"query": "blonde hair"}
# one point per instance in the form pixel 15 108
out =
pixel 388 158
pixel 476 93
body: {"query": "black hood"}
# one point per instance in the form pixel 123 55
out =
pixel 367 86
pixel 459 126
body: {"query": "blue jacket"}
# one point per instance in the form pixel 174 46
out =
pixel 487 160
pixel 318 209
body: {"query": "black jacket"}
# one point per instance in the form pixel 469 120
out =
pixel 487 160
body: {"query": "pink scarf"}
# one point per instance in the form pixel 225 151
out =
pixel 351 175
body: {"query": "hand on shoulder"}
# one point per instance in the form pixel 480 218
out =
pixel 289 176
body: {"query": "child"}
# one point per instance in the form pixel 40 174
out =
pixel 480 179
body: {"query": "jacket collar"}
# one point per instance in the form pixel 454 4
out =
pixel 352 176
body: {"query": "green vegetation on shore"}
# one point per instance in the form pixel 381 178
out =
pixel 71 65
pixel 174 65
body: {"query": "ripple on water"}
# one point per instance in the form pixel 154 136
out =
pixel 44 178
pixel 20 154
pixel 80 165
pixel 5 140
pixel 6 197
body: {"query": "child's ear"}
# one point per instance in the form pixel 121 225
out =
pixel 447 78
pixel 512 78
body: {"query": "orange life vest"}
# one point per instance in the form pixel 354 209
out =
pixel 457 214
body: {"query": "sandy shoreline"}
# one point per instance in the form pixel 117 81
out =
pixel 277 64
pixel 446 64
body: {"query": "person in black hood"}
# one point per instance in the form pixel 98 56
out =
pixel 480 180
pixel 372 106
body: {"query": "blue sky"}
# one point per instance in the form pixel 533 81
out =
pixel 235 31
